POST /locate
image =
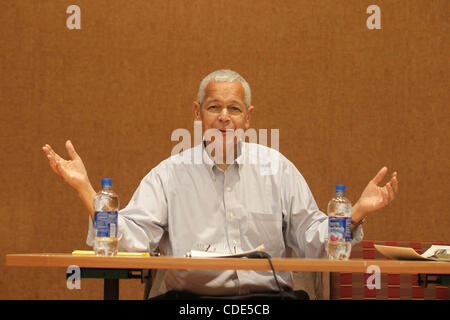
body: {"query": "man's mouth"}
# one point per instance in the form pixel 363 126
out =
pixel 226 131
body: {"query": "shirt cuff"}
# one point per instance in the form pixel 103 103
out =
pixel 357 235
pixel 91 233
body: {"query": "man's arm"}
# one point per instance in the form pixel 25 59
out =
pixel 307 226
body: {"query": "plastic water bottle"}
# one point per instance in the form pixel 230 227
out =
pixel 339 220
pixel 106 205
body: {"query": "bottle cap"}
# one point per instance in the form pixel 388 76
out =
pixel 106 182
pixel 340 188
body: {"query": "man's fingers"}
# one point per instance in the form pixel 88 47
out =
pixel 385 193
pixel 53 159
pixel 380 175
pixel 46 149
pixel 390 191
pixel 71 150
pixel 52 153
pixel 394 182
pixel 52 162
pixel 48 154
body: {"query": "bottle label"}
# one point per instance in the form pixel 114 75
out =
pixel 106 224
pixel 339 229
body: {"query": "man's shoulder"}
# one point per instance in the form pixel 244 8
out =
pixel 189 156
pixel 259 147
pixel 264 153
pixel 192 155
pixel 172 165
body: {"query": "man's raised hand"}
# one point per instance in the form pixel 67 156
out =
pixel 72 171
pixel 375 197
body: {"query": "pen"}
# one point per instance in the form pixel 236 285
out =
pixel 207 248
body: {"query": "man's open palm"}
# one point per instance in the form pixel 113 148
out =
pixel 375 197
pixel 72 170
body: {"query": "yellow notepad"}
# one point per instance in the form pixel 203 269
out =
pixel 92 253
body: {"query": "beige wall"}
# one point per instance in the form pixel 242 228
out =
pixel 347 101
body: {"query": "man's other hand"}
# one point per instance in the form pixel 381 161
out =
pixel 375 197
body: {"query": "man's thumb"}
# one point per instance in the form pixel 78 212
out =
pixel 71 150
pixel 380 175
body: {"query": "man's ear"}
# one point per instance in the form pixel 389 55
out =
pixel 196 110
pixel 248 116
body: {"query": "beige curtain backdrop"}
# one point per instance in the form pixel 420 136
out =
pixel 347 101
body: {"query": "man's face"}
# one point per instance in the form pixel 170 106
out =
pixel 223 108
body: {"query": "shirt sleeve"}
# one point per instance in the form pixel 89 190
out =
pixel 306 226
pixel 142 223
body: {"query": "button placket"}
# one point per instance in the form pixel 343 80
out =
pixel 233 231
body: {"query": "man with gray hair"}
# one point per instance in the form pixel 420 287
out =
pixel 227 207
pixel 225 75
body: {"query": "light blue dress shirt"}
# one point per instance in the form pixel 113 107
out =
pixel 188 203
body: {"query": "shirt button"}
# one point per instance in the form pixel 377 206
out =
pixel 228 189
pixel 231 214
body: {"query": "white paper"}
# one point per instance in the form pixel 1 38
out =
pixel 432 250
pixel 403 253
pixel 205 254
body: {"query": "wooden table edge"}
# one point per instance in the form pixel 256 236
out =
pixel 279 264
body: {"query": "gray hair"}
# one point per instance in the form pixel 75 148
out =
pixel 222 76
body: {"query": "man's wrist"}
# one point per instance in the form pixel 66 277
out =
pixel 357 215
pixel 87 196
pixel 355 224
pixel 86 192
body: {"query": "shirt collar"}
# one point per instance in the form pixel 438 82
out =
pixel 209 163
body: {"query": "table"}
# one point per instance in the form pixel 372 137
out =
pixel 114 268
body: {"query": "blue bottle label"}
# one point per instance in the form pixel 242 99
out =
pixel 339 229
pixel 106 224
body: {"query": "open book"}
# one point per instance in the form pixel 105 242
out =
pixel 435 253
pixel 206 254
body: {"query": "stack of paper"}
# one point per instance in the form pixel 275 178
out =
pixel 435 253
pixel 205 254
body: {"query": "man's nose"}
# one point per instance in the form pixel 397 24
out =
pixel 224 115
